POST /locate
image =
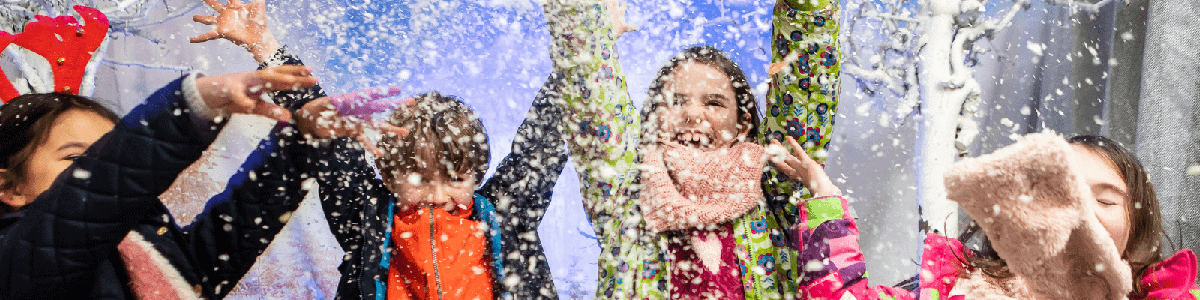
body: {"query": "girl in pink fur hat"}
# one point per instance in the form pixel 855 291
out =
pixel 1063 219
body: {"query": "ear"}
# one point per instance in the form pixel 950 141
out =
pixel 9 194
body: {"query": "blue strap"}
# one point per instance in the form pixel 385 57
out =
pixel 486 212
pixel 380 281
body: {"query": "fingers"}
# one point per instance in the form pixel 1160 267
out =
pixel 204 37
pixel 797 151
pixel 235 2
pixel 288 77
pixel 266 109
pixel 366 142
pixel 787 164
pixel 215 5
pixel 206 20
pixel 256 8
pixel 787 170
pixel 387 128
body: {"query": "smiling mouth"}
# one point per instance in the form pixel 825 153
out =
pixel 693 138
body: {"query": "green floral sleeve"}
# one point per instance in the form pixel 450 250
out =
pixel 803 97
pixel 602 127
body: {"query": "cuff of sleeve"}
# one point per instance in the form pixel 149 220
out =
pixel 195 102
pixel 278 59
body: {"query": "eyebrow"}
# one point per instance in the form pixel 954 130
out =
pixel 72 145
pixel 1111 187
pixel 717 96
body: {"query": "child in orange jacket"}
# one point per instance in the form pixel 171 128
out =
pixel 425 228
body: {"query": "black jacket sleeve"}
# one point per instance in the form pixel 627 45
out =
pixel 75 225
pixel 292 100
pixel 237 225
pixel 525 178
pixel 522 188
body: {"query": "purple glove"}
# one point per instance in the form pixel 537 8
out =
pixel 363 103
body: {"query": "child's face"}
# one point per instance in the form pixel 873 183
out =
pixel 701 108
pixel 72 133
pixel 432 189
pixel 1109 197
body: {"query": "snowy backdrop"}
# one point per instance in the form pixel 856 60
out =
pixel 1067 66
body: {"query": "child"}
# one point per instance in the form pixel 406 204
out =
pixel 1064 219
pixel 354 200
pixel 699 188
pixel 80 192
pixel 423 230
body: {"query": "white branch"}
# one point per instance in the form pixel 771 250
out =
pixel 891 17
pixel 1084 6
pixel 147 66
pixel 1007 19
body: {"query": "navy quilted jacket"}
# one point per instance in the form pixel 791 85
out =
pixel 63 245
pixel 355 202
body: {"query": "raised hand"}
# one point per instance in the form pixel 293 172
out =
pixel 349 115
pixel 249 92
pixel 616 9
pixel 798 166
pixel 243 24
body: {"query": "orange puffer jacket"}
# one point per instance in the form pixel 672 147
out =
pixel 439 255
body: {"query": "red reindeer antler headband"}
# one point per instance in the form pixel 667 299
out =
pixel 67 45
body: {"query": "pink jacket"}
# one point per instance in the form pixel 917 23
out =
pixel 1043 230
pixel 942 268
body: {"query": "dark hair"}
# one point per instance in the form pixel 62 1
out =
pixel 1143 248
pixel 715 58
pixel 25 123
pixel 442 129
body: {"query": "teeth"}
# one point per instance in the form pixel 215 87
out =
pixel 686 137
pixel 703 139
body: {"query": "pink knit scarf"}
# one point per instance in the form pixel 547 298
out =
pixel 685 187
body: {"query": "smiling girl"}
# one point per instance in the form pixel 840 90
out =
pixel 678 202
pixel 80 191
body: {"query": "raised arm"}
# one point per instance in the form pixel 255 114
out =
pixel 525 178
pixel 522 188
pixel 238 224
pixel 245 25
pixel 600 122
pixel 76 224
pixel 803 98
pixel 601 128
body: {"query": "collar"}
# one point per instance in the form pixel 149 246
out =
pixel 1171 276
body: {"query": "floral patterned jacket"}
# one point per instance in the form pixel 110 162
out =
pixel 602 130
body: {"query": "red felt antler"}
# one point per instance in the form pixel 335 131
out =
pixel 66 44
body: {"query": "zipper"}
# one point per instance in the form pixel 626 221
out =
pixel 437 274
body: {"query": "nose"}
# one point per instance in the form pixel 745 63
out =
pixel 692 112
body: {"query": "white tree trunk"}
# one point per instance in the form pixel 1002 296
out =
pixel 940 107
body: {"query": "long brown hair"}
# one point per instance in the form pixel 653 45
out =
pixel 747 116
pixel 25 123
pixel 1143 248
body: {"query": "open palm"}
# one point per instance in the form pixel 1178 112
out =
pixel 244 24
